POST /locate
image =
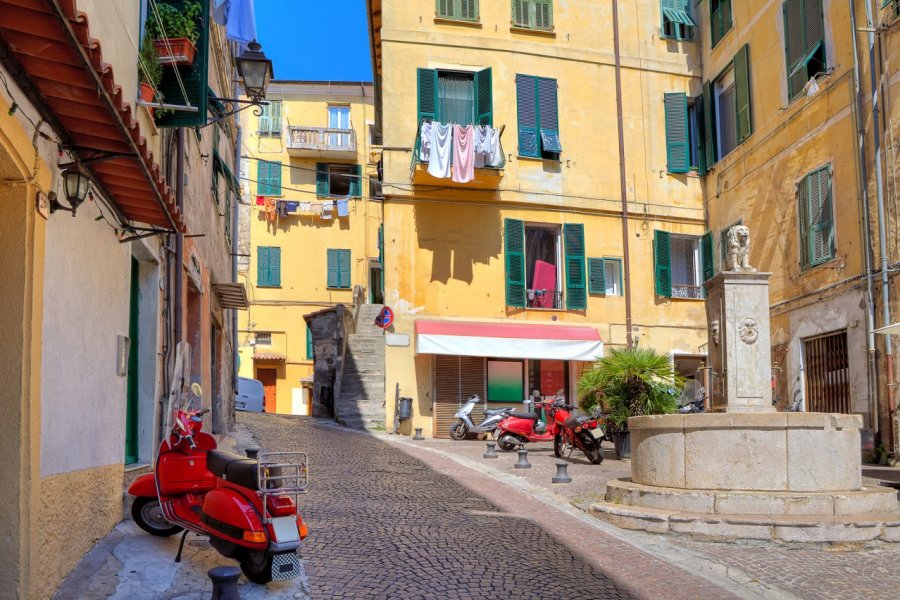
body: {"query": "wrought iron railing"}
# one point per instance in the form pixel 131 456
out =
pixel 416 160
pixel 545 299
pixel 321 138
pixel 687 291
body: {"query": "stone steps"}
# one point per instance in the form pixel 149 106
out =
pixel 363 383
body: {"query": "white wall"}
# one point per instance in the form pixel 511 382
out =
pixel 86 302
pixel 149 275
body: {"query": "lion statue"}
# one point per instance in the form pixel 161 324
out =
pixel 738 249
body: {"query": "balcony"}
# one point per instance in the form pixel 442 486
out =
pixel 544 299
pixel 485 177
pixel 321 142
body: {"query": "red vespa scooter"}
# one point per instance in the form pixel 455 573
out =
pixel 247 507
pixel 520 428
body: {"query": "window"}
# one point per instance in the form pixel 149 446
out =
pixel 263 338
pixel 339 118
pixel 338 269
pixel 816 218
pixel 268 266
pixel 723 112
pixel 804 42
pixel 536 262
pixel 719 19
pixel 268 178
pixel 457 97
pixel 827 364
pixel 677 22
pixel 458 10
pixel 270 119
pixel 533 14
pixel 677 265
pixel 188 84
pixel 678 154
pixel 538 117
pixel 605 276
pixel 309 343
pixel 726 140
pixel 338 180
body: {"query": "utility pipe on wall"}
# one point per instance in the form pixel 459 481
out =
pixel 179 236
pixel 235 223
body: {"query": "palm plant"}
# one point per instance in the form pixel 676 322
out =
pixel 630 382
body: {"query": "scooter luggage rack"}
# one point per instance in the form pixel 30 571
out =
pixel 282 472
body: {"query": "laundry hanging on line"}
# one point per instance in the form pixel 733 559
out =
pixel 343 208
pixel 477 146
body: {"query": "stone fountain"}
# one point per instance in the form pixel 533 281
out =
pixel 743 470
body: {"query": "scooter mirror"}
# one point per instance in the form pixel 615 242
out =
pixel 196 389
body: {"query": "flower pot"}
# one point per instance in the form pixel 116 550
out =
pixel 622 442
pixel 146 94
pixel 175 51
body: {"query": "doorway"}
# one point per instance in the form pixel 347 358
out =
pixel 131 400
pixel 269 379
pixel 376 284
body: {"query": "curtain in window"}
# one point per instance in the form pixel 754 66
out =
pixel 456 98
pixel 540 244
pixel 683 271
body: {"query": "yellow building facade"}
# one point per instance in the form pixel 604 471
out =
pixel 498 284
pixel 809 195
pixel 314 226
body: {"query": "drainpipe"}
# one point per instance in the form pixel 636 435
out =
pixel 871 368
pixel 179 236
pixel 882 229
pixel 626 263
pixel 235 223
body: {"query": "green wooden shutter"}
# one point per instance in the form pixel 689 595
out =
pixel 275 266
pixel 700 142
pixel 322 179
pixel 344 268
pixel 444 9
pixel 275 178
pixel 263 186
pixel 356 181
pixel 514 247
pixel 706 255
pixel 548 115
pixel 275 124
pixel 262 266
pixel 803 221
pixel 662 260
pixel 543 14
pixel 265 119
pixel 484 112
pixel 427 94
pixel 334 278
pixel 678 156
pixel 468 10
pixel 576 298
pixel 709 125
pixel 526 110
pixel 309 343
pixel 794 50
pixel 819 218
pixel 194 78
pixel 596 276
pixel 381 246
pixel 742 93
pixel 521 10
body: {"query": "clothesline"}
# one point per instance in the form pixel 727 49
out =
pixel 454 151
pixel 325 209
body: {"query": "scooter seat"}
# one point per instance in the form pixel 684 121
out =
pixel 496 411
pixel 532 416
pixel 233 468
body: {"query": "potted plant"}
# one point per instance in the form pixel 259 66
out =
pixel 176 31
pixel 149 69
pixel 629 382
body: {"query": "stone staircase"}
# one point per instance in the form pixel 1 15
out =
pixel 361 403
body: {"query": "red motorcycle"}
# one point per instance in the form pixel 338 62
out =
pixel 246 506
pixel 575 432
pixel 520 428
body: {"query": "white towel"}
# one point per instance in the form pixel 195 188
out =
pixel 482 144
pixel 496 153
pixel 327 207
pixel 425 142
pixel 441 149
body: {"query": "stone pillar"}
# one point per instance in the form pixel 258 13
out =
pixel 737 310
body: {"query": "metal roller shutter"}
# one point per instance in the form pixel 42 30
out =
pixel 455 379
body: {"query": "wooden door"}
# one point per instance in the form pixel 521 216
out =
pixel 268 377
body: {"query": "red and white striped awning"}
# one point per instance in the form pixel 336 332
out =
pixel 508 340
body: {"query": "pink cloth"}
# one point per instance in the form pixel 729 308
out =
pixel 544 279
pixel 463 153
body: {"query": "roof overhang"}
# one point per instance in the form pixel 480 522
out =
pixel 46 46
pixel 268 356
pixel 508 340
pixel 231 295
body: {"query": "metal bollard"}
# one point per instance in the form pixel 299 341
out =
pixel 523 460
pixel 491 451
pixel 418 435
pixel 225 583
pixel 252 452
pixel 562 475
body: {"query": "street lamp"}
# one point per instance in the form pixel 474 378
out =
pixel 75 186
pixel 255 71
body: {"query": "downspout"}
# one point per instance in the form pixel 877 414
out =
pixel 882 228
pixel 626 263
pixel 862 173
pixel 179 236
pixel 235 223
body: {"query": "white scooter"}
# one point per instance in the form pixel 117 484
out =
pixel 464 425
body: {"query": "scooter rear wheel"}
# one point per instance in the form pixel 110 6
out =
pixel 507 442
pixel 148 515
pixel 458 431
pixel 257 567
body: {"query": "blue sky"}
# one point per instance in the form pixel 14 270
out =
pixel 320 40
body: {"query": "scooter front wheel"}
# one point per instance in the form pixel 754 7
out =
pixel 148 515
pixel 257 567
pixel 458 431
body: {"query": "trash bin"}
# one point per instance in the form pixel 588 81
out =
pixel 405 410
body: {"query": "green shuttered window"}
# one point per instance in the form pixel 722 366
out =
pixel 309 343
pixel 532 14
pixel 662 258
pixel 338 180
pixel 268 266
pixel 719 19
pixel 714 113
pixel 268 178
pixel 576 285
pixel 194 78
pixel 514 250
pixel 538 117
pixel 804 27
pixel 458 10
pixel 270 119
pixel 454 97
pixel 707 256
pixel 816 218
pixel 338 268
pixel 742 93
pixel 677 22
pixel 678 156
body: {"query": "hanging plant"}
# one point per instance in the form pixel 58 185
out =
pixel 149 69
pixel 176 31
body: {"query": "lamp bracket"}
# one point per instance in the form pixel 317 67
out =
pixel 95 156
pixel 56 205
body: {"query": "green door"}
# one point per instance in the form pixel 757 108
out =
pixel 131 437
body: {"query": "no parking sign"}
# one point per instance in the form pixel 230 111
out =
pixel 386 318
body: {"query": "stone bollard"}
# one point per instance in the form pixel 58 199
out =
pixel 418 435
pixel 225 583
pixel 562 475
pixel 523 460
pixel 491 451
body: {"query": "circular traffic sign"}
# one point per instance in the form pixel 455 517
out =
pixel 386 318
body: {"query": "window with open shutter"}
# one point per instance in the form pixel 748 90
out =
pixel 426 88
pixel 356 181
pixel 816 218
pixel 709 125
pixel 190 85
pixel 677 22
pixel 538 117
pixel 484 98
pixel 514 250
pixel 455 97
pixel 309 343
pixel 678 156
pixel 526 110
pixel 707 256
pixel 743 120
pixel 719 19
pixel 576 288
pixel 662 258
pixel 804 43
pixel 596 276
pixel 322 179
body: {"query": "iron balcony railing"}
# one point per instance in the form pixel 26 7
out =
pixel 686 291
pixel 325 139
pixel 418 161
pixel 544 299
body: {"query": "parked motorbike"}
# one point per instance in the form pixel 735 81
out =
pixel 574 431
pixel 464 425
pixel 520 428
pixel 247 507
pixel 692 407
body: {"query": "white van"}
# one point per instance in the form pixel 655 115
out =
pixel 250 395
